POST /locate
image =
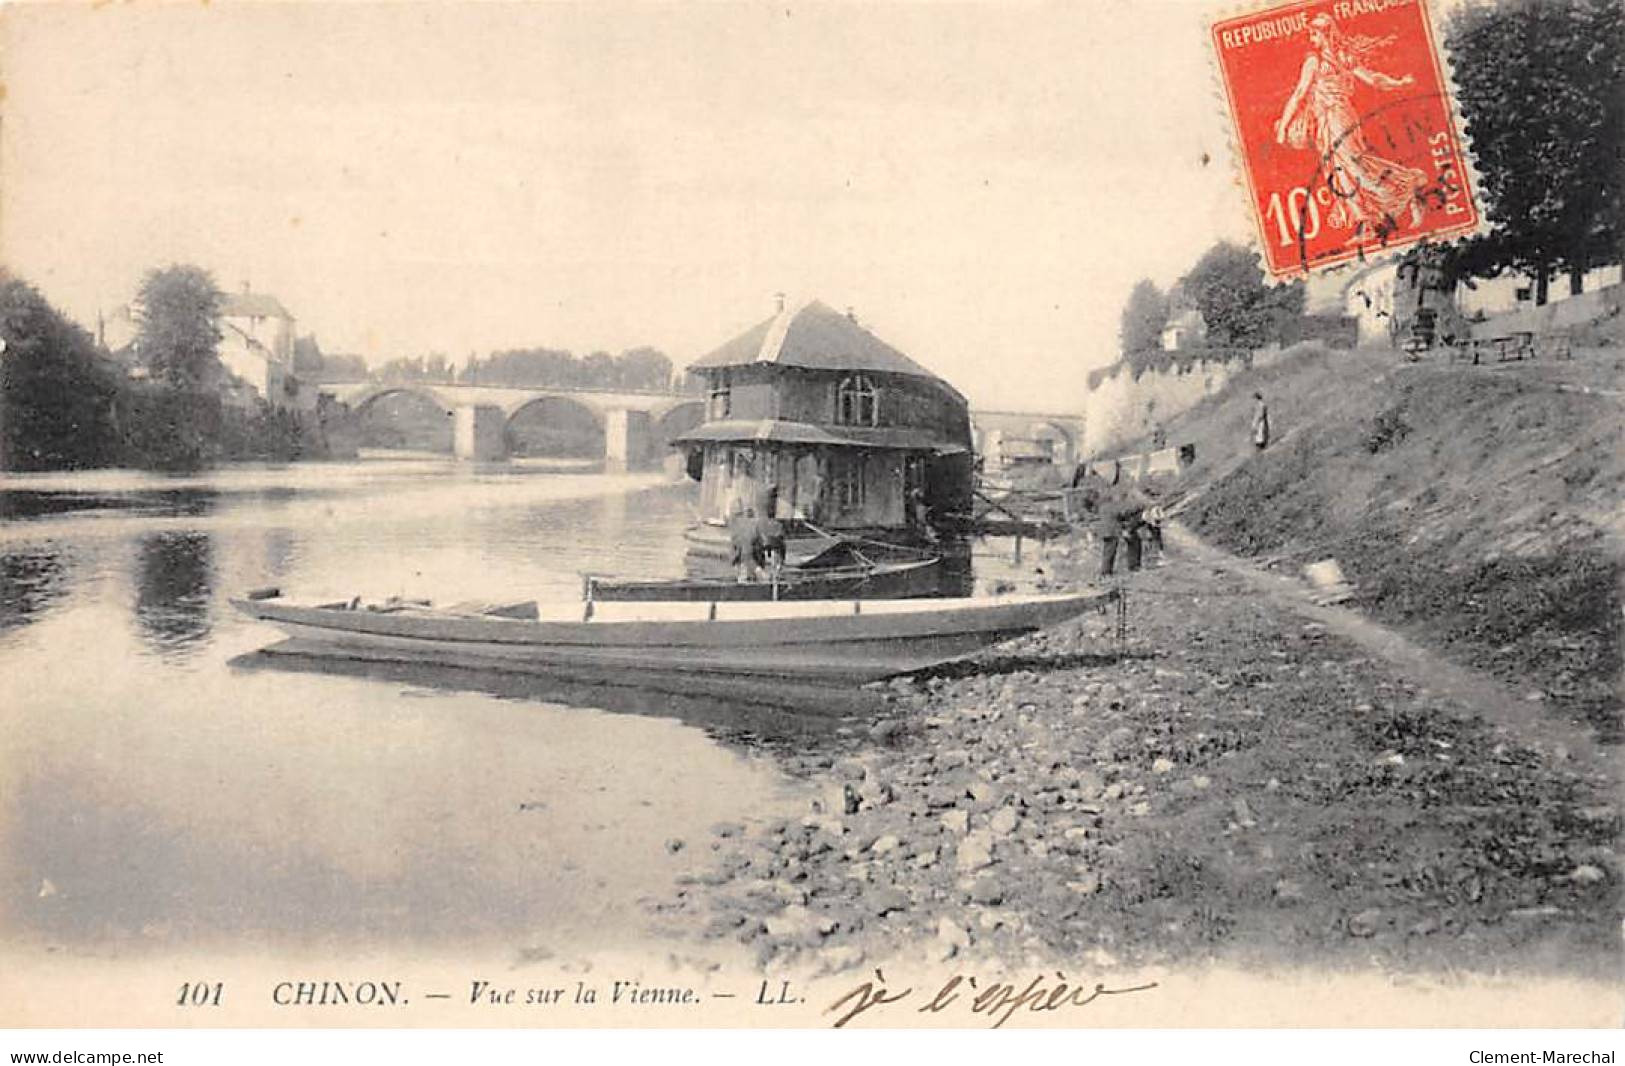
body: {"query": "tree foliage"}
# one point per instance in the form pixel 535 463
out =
pixel 1227 286
pixel 178 327
pixel 56 393
pixel 1144 316
pixel 308 360
pixel 1541 84
pixel 637 368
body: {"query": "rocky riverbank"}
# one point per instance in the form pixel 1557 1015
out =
pixel 1227 783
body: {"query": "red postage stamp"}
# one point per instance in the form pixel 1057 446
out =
pixel 1345 129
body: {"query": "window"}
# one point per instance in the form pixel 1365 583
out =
pixel 720 401
pixel 846 482
pixel 857 402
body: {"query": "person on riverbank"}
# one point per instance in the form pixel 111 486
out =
pixel 1103 499
pixel 742 542
pixel 1261 422
pixel 768 542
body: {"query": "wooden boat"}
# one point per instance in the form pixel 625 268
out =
pixel 822 640
pixel 854 581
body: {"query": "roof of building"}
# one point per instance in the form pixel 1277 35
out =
pixel 814 336
pixel 1188 319
pixel 252 305
pixel 781 431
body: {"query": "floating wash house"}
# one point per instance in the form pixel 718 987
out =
pixel 854 435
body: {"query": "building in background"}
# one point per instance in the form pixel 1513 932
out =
pixel 1185 330
pixel 256 347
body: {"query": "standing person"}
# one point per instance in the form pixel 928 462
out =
pixel 1108 526
pixel 1131 507
pixel 742 543
pixel 768 543
pixel 1261 422
pixel 1152 520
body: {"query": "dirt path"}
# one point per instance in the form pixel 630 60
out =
pixel 1486 696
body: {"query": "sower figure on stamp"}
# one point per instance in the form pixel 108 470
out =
pixel 1376 194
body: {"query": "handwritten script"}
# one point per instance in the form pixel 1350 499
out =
pixel 996 1001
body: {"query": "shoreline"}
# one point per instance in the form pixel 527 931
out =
pixel 1235 785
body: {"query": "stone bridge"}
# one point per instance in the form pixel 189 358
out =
pixel 637 426
pixel 1004 438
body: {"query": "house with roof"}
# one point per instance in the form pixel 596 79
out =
pixel 850 433
pixel 1185 329
pixel 256 347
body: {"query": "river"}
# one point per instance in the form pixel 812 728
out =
pixel 169 789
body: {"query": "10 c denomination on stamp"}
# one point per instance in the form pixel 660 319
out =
pixel 1347 136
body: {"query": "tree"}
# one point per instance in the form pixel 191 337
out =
pixel 178 327
pixel 1144 316
pixel 56 393
pixel 307 357
pixel 645 368
pixel 1541 84
pixel 1227 286
pixel 598 370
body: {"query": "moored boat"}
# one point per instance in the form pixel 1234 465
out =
pixel 877 581
pixel 821 640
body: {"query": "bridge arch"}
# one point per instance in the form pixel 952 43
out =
pixel 555 426
pixel 403 416
pixel 677 420
pixel 364 400
pixel 1065 445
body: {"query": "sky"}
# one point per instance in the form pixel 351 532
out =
pixel 982 184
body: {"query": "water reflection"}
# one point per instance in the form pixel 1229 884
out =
pixel 737 710
pixel 173 582
pixel 30 580
pixel 187 502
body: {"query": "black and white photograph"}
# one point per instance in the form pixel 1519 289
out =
pixel 875 515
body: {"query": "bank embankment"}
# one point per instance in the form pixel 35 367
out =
pixel 1229 783
pixel 1477 510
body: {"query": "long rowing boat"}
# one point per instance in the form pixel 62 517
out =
pixel 878 581
pixel 819 640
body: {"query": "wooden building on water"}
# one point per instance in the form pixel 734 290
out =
pixel 855 437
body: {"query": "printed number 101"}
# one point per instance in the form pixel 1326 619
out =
pixel 200 994
pixel 1297 216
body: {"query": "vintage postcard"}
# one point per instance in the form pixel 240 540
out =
pixel 830 516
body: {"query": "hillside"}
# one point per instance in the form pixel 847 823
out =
pixel 1478 510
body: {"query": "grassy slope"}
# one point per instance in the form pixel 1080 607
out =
pixel 1476 509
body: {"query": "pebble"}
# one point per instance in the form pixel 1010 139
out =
pixel 1161 765
pixel 975 851
pixel 1004 821
pixel 1365 923
pixel 956 821
pixel 952 937
pixel 1288 891
pixel 888 901
pixel 986 891
pixel 888 843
